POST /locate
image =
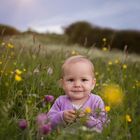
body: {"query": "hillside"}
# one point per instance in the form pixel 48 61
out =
pixel 87 35
pixel 8 30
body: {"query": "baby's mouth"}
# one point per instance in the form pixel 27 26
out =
pixel 77 91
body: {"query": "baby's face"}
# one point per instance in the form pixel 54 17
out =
pixel 78 80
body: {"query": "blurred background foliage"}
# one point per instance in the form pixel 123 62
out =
pixel 87 35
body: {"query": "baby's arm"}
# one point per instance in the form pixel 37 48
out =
pixel 58 116
pixel 55 114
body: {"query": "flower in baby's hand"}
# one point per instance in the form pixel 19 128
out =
pixel 83 115
pixel 22 124
pixel 49 98
pixel 88 110
pixel 45 129
pixel 77 112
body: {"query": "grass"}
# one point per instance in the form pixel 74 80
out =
pixel 35 58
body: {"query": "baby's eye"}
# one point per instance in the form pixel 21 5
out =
pixel 84 79
pixel 70 80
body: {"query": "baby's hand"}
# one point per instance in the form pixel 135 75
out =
pixel 69 116
pixel 82 114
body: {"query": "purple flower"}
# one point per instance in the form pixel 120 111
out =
pixel 45 129
pixel 22 124
pixel 49 98
pixel 41 119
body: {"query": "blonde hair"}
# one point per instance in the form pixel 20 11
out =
pixel 75 59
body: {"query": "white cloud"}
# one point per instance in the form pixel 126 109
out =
pixel 48 29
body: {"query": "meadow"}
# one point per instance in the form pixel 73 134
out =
pixel 30 70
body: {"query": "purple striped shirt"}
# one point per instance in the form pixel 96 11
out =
pixel 95 120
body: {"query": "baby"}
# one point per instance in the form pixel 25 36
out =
pixel 78 80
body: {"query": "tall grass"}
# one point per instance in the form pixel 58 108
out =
pixel 40 66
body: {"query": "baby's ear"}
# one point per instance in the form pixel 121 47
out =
pixel 93 84
pixel 60 82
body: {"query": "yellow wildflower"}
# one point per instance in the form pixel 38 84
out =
pixel 112 94
pixel 104 49
pixel 96 73
pixel 116 61
pixel 0 62
pixel 15 63
pixel 73 52
pixel 138 83
pixel 107 108
pixel 18 78
pixel 133 87
pixel 110 63
pixel 19 72
pixel 3 43
pixel 88 110
pixel 97 84
pixel 128 118
pixel 104 39
pixel 124 66
pixel 9 45
pixel 104 84
pixel 11 72
pixel 29 101
pixel 1 71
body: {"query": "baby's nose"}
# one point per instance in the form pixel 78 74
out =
pixel 77 83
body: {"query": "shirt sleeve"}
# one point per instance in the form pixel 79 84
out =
pixel 55 114
pixel 97 118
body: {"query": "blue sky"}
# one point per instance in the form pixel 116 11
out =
pixel 52 15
